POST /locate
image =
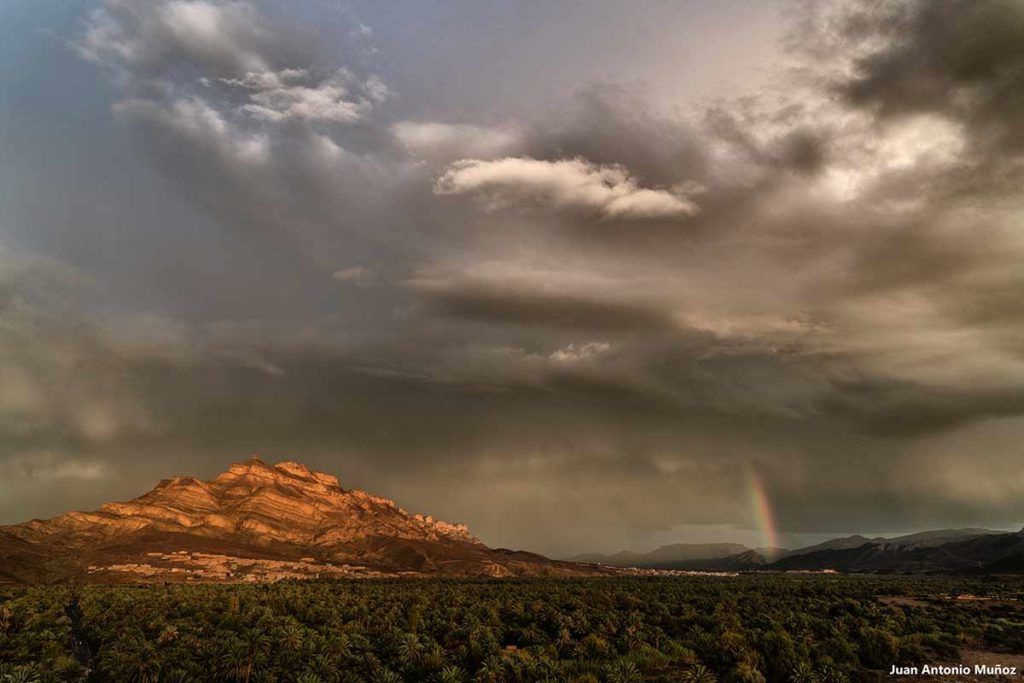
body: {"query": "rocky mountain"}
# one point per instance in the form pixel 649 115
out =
pixel 666 556
pixel 842 543
pixel 748 560
pixel 253 522
pixel 931 539
pixel 943 550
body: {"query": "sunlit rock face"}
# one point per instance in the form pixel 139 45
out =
pixel 286 502
pixel 257 511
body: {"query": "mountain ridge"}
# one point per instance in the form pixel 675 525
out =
pixel 254 521
pixel 674 552
pixel 939 550
pixel 984 553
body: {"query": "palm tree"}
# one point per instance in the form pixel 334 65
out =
pixel 634 637
pixel 146 668
pixel 564 640
pixel 452 674
pixel 830 673
pixel 410 651
pixel 167 635
pixel 491 670
pixel 292 636
pixel 322 665
pixel 22 674
pixel 698 673
pixel 236 664
pixel 803 673
pixel 385 675
pixel 623 671
pixel 433 656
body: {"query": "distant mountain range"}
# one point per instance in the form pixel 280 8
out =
pixel 254 522
pixel 667 555
pixel 945 550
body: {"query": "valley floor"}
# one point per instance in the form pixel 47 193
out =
pixel 747 628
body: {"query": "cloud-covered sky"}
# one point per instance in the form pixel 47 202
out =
pixel 573 273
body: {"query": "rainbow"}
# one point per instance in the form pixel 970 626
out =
pixel 764 519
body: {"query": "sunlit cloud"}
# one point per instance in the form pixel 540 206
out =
pixel 567 184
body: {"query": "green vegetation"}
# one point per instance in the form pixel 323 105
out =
pixel 699 629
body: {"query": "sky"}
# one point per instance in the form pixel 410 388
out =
pixel 585 275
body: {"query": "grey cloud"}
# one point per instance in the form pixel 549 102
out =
pixel 803 151
pixel 59 385
pixel 546 309
pixel 501 414
pixel 48 467
pixel 295 94
pixel 936 53
pixel 901 409
pixel 237 110
pixel 957 58
pixel 228 38
pixel 615 124
pixel 839 313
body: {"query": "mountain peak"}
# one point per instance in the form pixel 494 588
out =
pixel 255 470
pixel 297 469
pixel 253 464
pixel 294 468
pixel 283 513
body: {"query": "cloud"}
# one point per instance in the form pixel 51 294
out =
pixel 48 466
pixel 960 61
pixel 446 141
pixel 534 308
pixel 360 276
pixel 574 353
pixel 845 300
pixel 58 385
pixel 253 123
pixel 195 121
pixel 577 184
pixel 509 294
pixel 225 38
pixel 293 94
pixel 616 124
pixel 919 55
pixel 161 50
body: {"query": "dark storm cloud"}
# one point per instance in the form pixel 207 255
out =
pixel 798 148
pixel 900 409
pixel 606 314
pixel 615 124
pixel 959 57
pixel 551 310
